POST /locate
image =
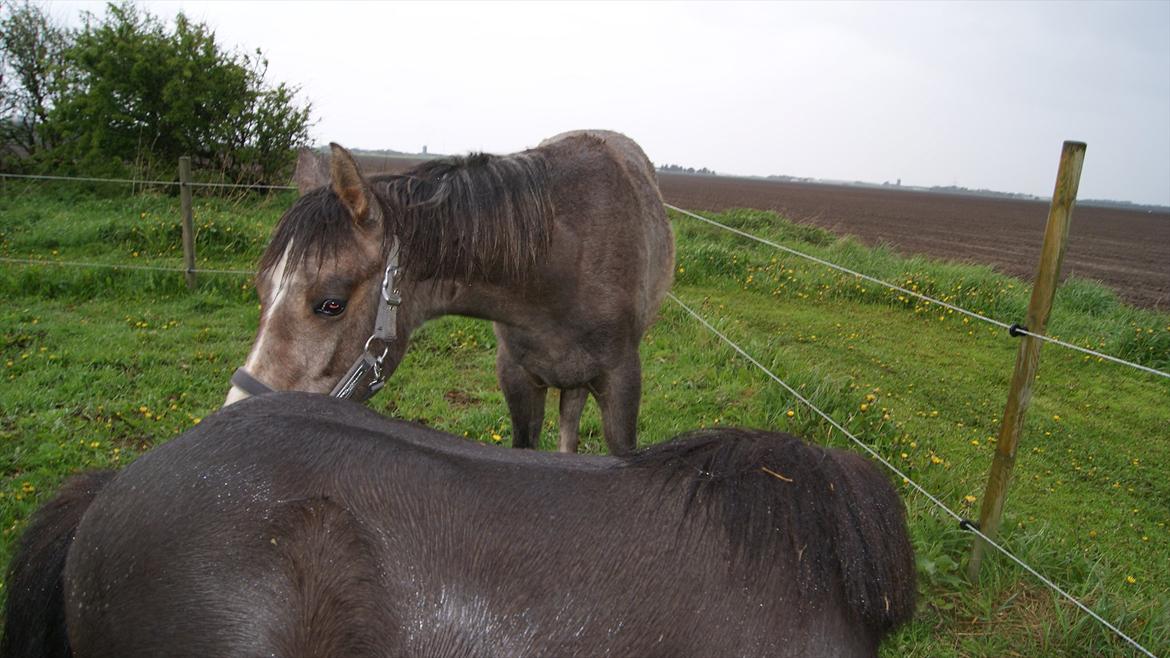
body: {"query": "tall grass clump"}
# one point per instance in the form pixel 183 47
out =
pixel 1085 313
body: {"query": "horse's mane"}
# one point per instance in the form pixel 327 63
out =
pixel 478 217
pixel 828 514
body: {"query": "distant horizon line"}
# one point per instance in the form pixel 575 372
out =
pixel 931 189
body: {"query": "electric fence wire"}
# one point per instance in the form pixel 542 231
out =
pixel 117 266
pixel 133 181
pixel 918 295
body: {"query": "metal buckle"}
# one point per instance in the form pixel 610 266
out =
pixel 390 294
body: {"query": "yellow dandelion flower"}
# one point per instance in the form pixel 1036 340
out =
pixel 1130 579
pixel 969 499
pixel 790 413
pixel 497 437
pixel 864 407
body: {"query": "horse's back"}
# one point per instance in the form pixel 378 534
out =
pixel 625 150
pixel 291 512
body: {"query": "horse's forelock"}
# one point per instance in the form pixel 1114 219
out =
pixel 317 226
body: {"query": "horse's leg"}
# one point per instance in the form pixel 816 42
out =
pixel 572 404
pixel 618 393
pixel 525 399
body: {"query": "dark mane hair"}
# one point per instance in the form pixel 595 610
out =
pixel 775 496
pixel 316 225
pixel 479 217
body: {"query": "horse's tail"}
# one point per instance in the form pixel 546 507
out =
pixel 872 543
pixel 827 516
pixel 34 616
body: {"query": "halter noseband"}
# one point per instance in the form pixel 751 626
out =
pixel 368 367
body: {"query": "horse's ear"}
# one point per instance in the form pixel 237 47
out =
pixel 311 171
pixel 348 183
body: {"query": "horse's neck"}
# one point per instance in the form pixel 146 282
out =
pixel 426 300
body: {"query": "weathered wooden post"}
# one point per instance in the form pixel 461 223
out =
pixel 188 220
pixel 1068 178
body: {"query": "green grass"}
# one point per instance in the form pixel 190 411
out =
pixel 98 365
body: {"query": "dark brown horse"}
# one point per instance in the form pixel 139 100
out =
pixel 566 248
pixel 294 524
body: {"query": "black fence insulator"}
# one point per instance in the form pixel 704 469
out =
pixel 968 524
pixel 1014 330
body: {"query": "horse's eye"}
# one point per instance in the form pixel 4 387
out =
pixel 330 307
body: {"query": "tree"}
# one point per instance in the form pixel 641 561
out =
pixel 135 94
pixel 32 49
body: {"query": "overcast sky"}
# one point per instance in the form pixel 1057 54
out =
pixel 979 95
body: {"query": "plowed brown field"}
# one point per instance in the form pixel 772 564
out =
pixel 1128 250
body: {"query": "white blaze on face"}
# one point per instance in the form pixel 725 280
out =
pixel 279 289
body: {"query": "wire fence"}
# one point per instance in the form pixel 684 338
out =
pixel 1012 328
pixel 963 523
pixel 119 266
pixel 138 182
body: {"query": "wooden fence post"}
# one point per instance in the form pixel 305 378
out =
pixel 188 220
pixel 1068 178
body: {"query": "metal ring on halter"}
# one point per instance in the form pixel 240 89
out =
pixel 385 349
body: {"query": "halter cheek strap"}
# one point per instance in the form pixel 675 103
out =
pixel 368 369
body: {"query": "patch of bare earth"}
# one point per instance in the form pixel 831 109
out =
pixel 1127 250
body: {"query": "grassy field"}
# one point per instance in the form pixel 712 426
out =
pixel 98 365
